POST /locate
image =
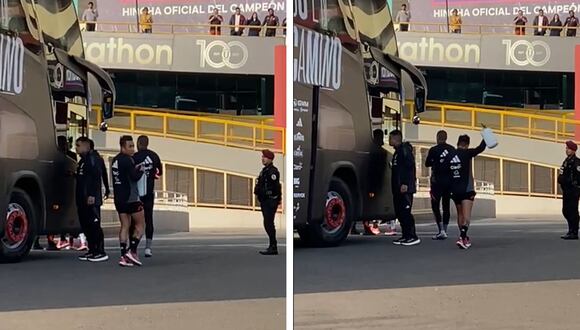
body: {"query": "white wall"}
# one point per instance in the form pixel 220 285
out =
pixel 519 205
pixel 201 217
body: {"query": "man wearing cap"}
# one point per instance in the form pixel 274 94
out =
pixel 269 193
pixel 569 180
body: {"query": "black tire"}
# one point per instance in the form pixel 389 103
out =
pixel 15 251
pixel 339 205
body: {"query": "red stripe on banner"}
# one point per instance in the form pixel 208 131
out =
pixel 577 91
pixel 279 90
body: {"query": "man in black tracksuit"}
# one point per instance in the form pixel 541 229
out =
pixel 569 180
pixel 153 168
pixel 403 182
pixel 269 193
pixel 463 185
pixel 438 159
pixel 89 200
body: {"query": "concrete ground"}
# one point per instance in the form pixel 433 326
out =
pixel 518 275
pixel 202 280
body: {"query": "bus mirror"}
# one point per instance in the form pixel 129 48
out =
pixel 416 120
pixel 104 126
pixel 419 99
pixel 107 104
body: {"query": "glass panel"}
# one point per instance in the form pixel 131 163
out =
pixel 515 176
pixel 240 190
pixel 487 169
pixel 542 180
pixel 210 187
pixel 179 179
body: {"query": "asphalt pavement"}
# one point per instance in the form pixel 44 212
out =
pixel 214 279
pixel 518 275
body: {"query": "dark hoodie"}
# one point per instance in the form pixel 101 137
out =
pixel 403 167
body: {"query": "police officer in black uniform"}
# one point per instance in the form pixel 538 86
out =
pixel 269 193
pixel 569 180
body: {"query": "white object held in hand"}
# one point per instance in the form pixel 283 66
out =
pixel 489 138
pixel 142 185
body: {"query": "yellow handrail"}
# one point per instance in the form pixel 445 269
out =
pixel 442 27
pixel 530 125
pixel 205 129
pixel 180 28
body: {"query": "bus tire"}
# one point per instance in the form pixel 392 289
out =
pixel 338 216
pixel 19 228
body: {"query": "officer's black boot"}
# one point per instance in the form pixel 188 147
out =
pixel 272 250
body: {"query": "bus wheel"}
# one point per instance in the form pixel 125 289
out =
pixel 338 215
pixel 19 228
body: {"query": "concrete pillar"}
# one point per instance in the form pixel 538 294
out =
pixel 279 91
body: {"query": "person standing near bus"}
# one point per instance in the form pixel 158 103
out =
pixel 127 203
pixel 269 193
pixel 89 200
pixel 569 180
pixel 462 185
pixel 438 159
pixel 403 183
pixel 153 168
pixel 105 174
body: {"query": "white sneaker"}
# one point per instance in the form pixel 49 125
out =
pixel 148 253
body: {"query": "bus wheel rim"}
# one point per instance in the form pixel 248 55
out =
pixel 16 230
pixel 335 212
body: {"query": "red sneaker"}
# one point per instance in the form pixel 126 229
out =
pixel 467 242
pixel 134 258
pixel 461 243
pixel 125 262
pixel 63 245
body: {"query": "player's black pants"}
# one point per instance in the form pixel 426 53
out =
pixel 440 195
pixel 90 219
pixel 403 211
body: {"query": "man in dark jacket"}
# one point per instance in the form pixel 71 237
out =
pixel 438 159
pixel 541 22
pixel 89 200
pixel 403 182
pixel 236 22
pixel 569 180
pixel 269 193
pixel 571 24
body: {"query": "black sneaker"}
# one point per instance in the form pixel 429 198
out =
pixel 399 241
pixel 570 236
pixel 411 242
pixel 271 251
pixel 99 257
pixel 86 256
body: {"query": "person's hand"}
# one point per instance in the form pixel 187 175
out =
pixel 404 189
pixel 107 194
pixel 91 200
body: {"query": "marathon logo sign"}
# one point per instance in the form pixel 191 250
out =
pixel 118 51
pixel 11 65
pixel 489 52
